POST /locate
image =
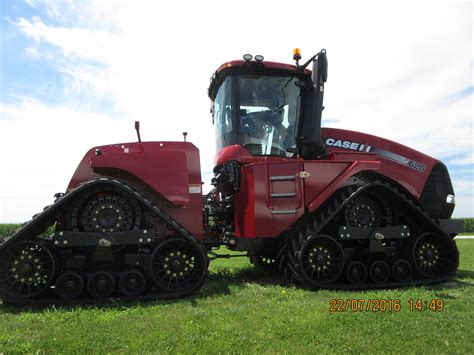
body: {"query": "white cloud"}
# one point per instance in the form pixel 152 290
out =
pixel 390 67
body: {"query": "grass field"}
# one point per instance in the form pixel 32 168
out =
pixel 243 309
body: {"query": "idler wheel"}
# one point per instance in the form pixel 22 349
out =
pixel 26 269
pixel 401 270
pixel 132 283
pixel 356 273
pixel 322 260
pixel 379 271
pixel 435 255
pixel 101 284
pixel 69 285
pixel 178 265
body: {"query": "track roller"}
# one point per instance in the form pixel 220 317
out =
pixel 101 284
pixel 69 285
pixel 379 271
pixel 263 260
pixel 178 265
pixel 435 255
pixel 26 269
pixel 356 273
pixel 401 270
pixel 132 283
pixel 321 259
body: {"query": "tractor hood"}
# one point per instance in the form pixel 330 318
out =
pixel 426 178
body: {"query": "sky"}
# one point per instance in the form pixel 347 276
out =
pixel 76 74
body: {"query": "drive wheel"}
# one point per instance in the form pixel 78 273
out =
pixel 356 273
pixel 364 212
pixel 379 271
pixel 178 265
pixel 132 283
pixel 69 285
pixel 321 259
pixel 26 269
pixel 101 284
pixel 401 270
pixel 435 255
pixel 105 209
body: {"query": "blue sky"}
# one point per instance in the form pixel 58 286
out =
pixel 74 74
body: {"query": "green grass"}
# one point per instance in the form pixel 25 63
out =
pixel 242 309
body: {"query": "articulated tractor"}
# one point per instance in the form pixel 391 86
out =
pixel 328 208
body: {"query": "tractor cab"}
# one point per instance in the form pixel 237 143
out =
pixel 265 107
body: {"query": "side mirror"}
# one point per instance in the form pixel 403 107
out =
pixel 320 69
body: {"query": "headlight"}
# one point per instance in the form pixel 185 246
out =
pixel 451 199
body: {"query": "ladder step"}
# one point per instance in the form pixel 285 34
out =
pixel 284 194
pixel 284 212
pixel 283 178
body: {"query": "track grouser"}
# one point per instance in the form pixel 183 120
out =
pixel 329 208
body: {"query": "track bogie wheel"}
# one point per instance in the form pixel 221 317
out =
pixel 69 285
pixel 379 271
pixel 178 265
pixel 132 283
pixel 101 284
pixel 321 259
pixel 263 260
pixel 435 255
pixel 401 270
pixel 26 269
pixel 356 273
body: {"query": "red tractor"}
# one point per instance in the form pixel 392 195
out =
pixel 327 207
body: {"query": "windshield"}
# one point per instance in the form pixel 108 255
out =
pixel 223 115
pixel 267 114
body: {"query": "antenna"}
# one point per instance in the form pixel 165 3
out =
pixel 137 128
pixel 184 135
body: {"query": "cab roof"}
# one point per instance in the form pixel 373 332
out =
pixel 252 66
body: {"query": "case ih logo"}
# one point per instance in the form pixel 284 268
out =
pixel 359 147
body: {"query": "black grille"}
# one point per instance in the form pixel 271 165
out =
pixel 437 187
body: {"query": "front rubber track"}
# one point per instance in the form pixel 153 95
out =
pixel 40 222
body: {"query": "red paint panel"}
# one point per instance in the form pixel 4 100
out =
pixel 254 204
pixel 411 179
pixel 169 168
pixel 165 172
pixel 327 176
pixel 244 210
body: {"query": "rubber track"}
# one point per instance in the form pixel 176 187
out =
pixel 44 219
pixel 288 255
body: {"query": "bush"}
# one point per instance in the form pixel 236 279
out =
pixel 7 229
pixel 468 225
